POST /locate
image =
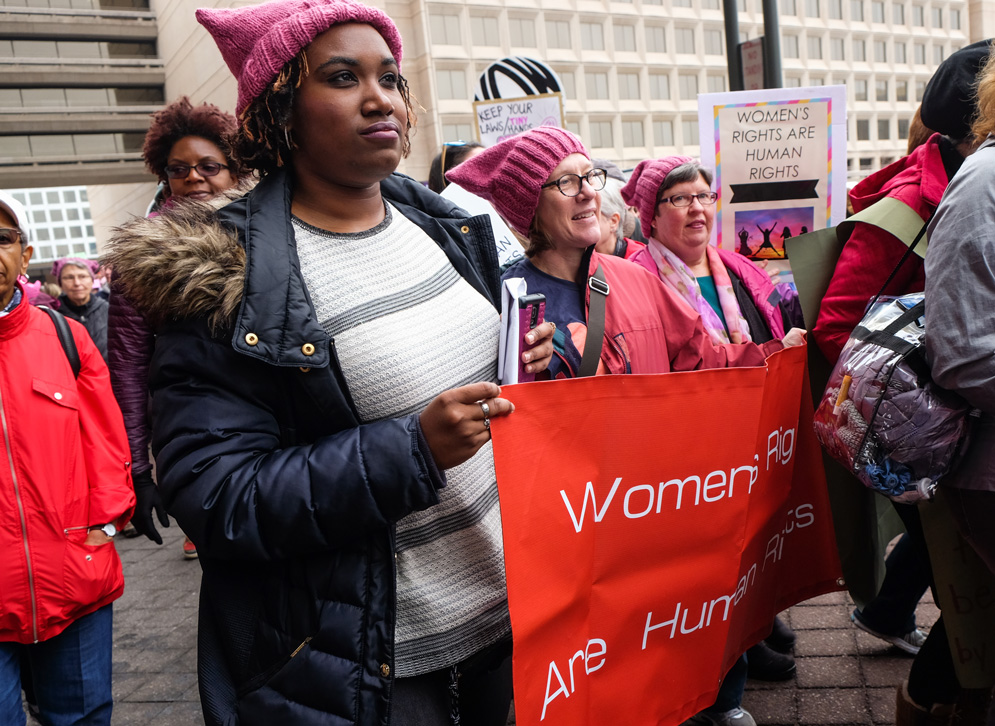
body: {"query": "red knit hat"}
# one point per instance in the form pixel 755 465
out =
pixel 257 41
pixel 644 184
pixel 511 173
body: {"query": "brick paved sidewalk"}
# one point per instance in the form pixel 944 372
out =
pixel 844 675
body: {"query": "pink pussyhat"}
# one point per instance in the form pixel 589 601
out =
pixel 644 184
pixel 511 173
pixel 257 41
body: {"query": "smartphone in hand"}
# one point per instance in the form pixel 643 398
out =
pixel 531 312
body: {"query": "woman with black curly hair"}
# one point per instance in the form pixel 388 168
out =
pixel 322 390
pixel 187 148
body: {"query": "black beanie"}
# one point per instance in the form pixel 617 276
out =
pixel 948 103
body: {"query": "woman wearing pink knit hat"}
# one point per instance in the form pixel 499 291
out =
pixel 323 384
pixel 544 184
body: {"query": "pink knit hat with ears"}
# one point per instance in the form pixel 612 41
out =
pixel 511 173
pixel 257 41
pixel 644 184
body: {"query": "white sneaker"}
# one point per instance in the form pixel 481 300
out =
pixel 735 717
pixel 911 642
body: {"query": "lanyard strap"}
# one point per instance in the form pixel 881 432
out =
pixel 595 323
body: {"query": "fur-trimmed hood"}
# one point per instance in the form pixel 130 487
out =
pixel 182 263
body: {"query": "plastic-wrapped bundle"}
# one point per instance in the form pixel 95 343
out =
pixel 882 416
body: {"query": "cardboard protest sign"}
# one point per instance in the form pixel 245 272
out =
pixel 653 526
pixel 780 164
pixel 499 119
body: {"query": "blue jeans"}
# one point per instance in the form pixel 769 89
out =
pixel 71 672
pixel 731 691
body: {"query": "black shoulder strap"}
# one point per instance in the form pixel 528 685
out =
pixel 595 324
pixel 66 338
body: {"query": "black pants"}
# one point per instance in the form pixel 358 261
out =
pixel 482 686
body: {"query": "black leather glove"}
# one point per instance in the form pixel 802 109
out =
pixel 147 501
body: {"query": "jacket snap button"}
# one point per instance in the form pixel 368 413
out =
pixel 464 229
pixel 88 558
pixel 385 670
pixel 251 338
pixel 305 370
pixel 307 349
pixel 57 396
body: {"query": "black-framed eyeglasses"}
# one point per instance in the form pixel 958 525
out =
pixel 684 200
pixel 9 236
pixel 570 184
pixel 204 168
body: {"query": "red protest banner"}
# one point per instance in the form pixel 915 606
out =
pixel 653 526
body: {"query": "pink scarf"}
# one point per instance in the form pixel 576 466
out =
pixel 678 277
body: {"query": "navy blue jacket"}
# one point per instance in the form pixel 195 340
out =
pixel 291 502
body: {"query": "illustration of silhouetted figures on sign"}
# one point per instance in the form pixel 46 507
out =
pixel 744 238
pixel 785 233
pixel 767 243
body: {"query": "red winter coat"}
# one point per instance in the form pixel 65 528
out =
pixel 871 254
pixel 66 469
pixel 649 329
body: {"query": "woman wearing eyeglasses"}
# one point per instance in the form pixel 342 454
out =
pixel 677 211
pixel 544 184
pixel 186 148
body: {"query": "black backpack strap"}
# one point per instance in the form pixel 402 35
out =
pixel 595 324
pixel 66 338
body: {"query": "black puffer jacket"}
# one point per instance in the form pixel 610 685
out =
pixel 92 316
pixel 263 462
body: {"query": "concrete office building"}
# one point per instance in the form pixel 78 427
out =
pixel 631 70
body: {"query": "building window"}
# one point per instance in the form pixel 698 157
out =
pixel 521 32
pixel 817 82
pixel 877 11
pixel 918 16
pixel 814 47
pixel 457 132
pixel 920 89
pixel 863 129
pixel 625 38
pixel 860 50
pixel 937 17
pixel 789 46
pixel 484 30
pixel 684 40
pixel 656 39
pixel 659 86
pixel 792 82
pixel 569 83
pixel 903 128
pixel 898 14
pixel 710 5
pixel 557 34
pixel 687 86
pixel 860 89
pixel 866 163
pixel 835 9
pixel 663 133
pixel 884 129
pixel 937 54
pixel 902 91
pixel 632 134
pixel 680 3
pixel 857 11
pixel 713 43
pixel 689 130
pixel 812 8
pixel 592 36
pixel 836 46
pixel 716 84
pixel 445 29
pixel 919 53
pixel 881 90
pixel 597 85
pixel 451 84
pixel 628 86
pixel 788 7
pixel 900 52
pixel 955 19
pixel 601 134
pixel 880 51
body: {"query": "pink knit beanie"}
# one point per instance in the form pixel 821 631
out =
pixel 644 184
pixel 257 41
pixel 511 173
